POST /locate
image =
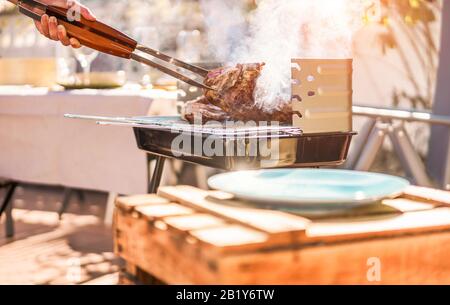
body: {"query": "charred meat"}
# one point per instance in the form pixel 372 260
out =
pixel 234 99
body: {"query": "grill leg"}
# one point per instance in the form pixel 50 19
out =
pixel 7 207
pixel 155 180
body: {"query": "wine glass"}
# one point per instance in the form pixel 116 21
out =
pixel 148 36
pixel 189 46
pixel 85 57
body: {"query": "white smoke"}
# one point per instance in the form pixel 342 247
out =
pixel 225 26
pixel 280 30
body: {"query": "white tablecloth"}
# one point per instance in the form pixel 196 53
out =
pixel 39 145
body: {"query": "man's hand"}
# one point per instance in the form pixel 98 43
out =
pixel 49 25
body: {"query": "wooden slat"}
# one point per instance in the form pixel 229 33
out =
pixel 194 222
pixel 278 224
pixel 408 205
pixel 131 202
pixel 214 234
pixel 164 210
pixel 427 194
pixel 231 235
pixel 386 207
pixel 383 226
pixel 411 259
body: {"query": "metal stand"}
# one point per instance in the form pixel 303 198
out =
pixel 367 151
pixel 409 158
pixel 155 179
pixel 7 207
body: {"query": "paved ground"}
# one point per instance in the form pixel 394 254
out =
pixel 76 250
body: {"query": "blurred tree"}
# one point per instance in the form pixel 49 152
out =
pixel 408 25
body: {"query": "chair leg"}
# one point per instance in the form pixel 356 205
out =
pixel 9 223
pixel 67 195
pixel 81 196
pixel 7 207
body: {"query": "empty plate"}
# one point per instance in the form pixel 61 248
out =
pixel 309 187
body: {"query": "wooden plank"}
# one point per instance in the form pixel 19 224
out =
pixel 382 226
pixel 131 202
pixel 213 235
pixel 417 259
pixel 428 195
pixel 386 207
pixel 230 235
pixel 157 251
pixel 279 225
pixel 152 212
pixel 408 205
pixel 194 222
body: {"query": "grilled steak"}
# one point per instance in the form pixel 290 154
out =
pixel 234 99
pixel 203 110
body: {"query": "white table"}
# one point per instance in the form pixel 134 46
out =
pixel 39 145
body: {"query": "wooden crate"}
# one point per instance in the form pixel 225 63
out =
pixel 133 275
pixel 187 236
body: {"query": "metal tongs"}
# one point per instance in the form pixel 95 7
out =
pixel 103 38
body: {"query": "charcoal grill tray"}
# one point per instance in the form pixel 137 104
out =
pixel 156 135
pixel 295 148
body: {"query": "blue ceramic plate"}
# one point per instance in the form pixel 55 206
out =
pixel 309 187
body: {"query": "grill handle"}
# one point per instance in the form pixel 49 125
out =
pixel 95 34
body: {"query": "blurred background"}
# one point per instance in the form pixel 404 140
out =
pixel 396 63
pixel 396 55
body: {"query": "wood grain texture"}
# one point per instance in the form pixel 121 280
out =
pixel 279 225
pixel 131 202
pixel 420 259
pixel 380 226
pixel 428 195
pixel 198 241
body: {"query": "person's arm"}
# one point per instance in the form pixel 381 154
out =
pixel 49 25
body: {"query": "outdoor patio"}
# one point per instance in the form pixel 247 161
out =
pixel 76 250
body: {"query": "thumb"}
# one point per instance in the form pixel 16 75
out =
pixel 81 9
pixel 58 3
pixel 87 13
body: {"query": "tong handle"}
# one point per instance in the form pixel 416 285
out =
pixel 95 34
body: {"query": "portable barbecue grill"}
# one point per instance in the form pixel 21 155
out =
pixel 321 92
pixel 320 137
